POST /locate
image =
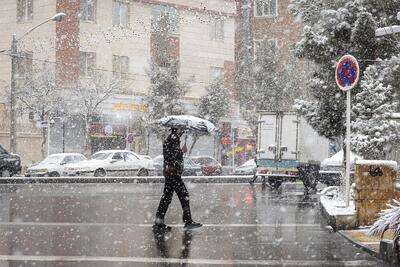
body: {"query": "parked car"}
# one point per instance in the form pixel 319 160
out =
pixel 247 168
pixel 10 164
pixel 332 168
pixel 54 165
pixel 209 166
pixel 189 167
pixel 113 163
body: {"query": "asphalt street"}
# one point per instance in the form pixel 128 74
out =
pixel 110 225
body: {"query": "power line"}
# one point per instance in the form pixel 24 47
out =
pixel 94 69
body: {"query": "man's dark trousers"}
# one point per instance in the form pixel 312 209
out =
pixel 174 183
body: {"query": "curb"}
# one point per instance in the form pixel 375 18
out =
pixel 132 179
pixel 360 245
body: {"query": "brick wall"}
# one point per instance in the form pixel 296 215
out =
pixel 67 42
pixel 229 78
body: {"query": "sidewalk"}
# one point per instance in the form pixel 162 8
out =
pixel 362 240
pixel 380 248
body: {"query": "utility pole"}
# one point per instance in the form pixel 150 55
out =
pixel 13 131
pixel 63 136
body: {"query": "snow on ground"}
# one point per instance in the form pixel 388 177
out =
pixel 334 204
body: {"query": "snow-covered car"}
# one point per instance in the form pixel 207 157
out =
pixel 189 167
pixel 113 163
pixel 331 168
pixel 247 168
pixel 54 165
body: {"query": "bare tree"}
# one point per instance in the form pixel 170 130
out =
pixel 84 99
pixel 38 95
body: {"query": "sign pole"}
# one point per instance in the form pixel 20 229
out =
pixel 346 75
pixel 348 138
pixel 48 140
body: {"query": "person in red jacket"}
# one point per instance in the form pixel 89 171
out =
pixel 173 168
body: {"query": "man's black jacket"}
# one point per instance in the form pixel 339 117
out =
pixel 173 156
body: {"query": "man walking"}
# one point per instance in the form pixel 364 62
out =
pixel 173 168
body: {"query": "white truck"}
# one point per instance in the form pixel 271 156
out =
pixel 288 149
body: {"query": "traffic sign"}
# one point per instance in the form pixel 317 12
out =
pixel 347 72
pixel 108 129
pixel 42 124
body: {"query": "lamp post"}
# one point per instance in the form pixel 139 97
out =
pixel 388 30
pixel 14 57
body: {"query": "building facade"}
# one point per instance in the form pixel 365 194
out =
pixel 257 21
pixel 113 39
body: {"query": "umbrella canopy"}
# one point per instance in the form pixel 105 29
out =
pixel 188 122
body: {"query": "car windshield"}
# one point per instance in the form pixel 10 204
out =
pixel 249 163
pixel 101 155
pixel 202 161
pixel 53 159
pixel 188 161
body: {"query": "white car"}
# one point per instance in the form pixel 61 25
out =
pixel 54 165
pixel 113 163
pixel 247 168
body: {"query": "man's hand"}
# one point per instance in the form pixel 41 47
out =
pixel 184 149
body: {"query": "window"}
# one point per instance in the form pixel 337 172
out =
pixel 165 19
pixel 266 8
pixel 216 72
pixel 24 10
pixel 130 157
pixel 217 30
pixel 273 43
pixel 120 67
pixel 24 65
pixel 87 63
pixel 68 159
pixel 88 10
pixel 118 156
pixel 120 13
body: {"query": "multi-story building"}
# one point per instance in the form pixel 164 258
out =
pixel 116 39
pixel 268 20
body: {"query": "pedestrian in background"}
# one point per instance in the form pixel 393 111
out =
pixel 173 168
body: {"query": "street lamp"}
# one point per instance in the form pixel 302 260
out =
pixel 388 30
pixel 14 55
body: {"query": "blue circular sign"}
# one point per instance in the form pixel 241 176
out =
pixel 108 129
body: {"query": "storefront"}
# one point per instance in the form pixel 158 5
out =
pixel 107 136
pixel 121 125
pixel 237 144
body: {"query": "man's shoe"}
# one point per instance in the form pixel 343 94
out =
pixel 161 227
pixel 192 225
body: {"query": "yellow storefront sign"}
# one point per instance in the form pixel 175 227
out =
pixel 130 107
pixel 236 150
